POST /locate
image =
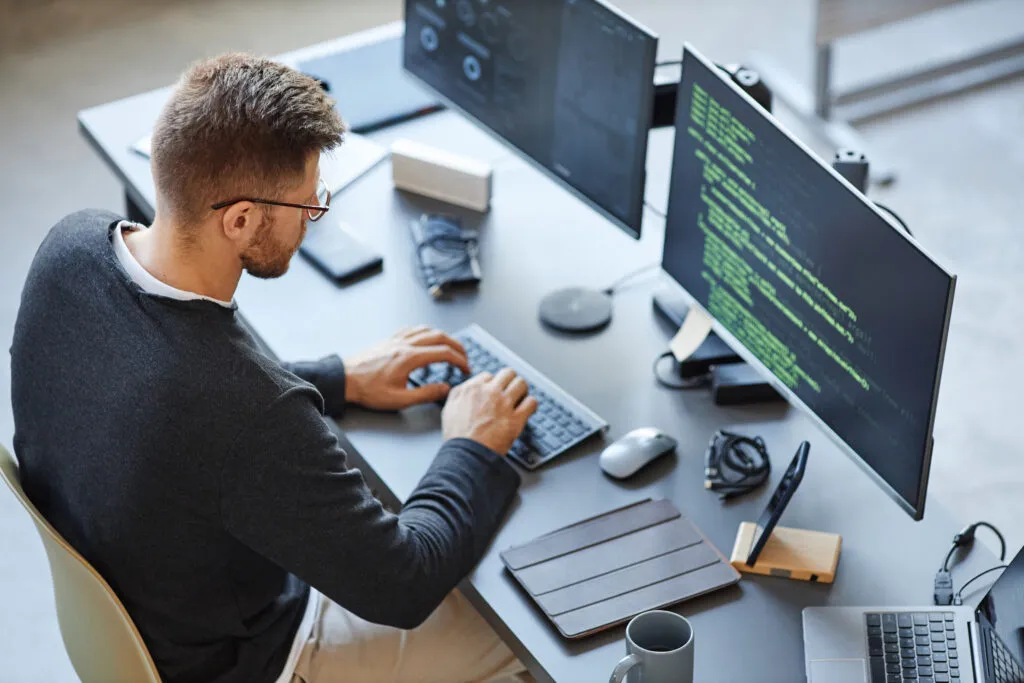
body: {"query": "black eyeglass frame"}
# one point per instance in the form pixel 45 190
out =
pixel 320 211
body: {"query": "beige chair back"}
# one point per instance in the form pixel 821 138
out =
pixel 102 642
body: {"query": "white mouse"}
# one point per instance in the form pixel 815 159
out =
pixel 628 454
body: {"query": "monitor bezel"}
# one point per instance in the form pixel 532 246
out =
pixel 631 227
pixel 915 508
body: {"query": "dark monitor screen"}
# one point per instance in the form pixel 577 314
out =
pixel 569 83
pixel 807 279
pixel 1001 618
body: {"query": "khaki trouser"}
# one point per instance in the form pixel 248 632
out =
pixel 454 645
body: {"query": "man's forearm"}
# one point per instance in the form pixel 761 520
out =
pixel 456 509
pixel 288 495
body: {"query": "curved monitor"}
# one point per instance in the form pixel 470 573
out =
pixel 568 83
pixel 807 280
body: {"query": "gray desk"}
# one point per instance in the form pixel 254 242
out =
pixel 537 237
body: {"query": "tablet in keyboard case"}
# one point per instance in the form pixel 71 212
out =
pixel 607 569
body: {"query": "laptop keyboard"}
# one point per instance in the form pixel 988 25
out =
pixel 1002 667
pixel 912 647
pixel 560 422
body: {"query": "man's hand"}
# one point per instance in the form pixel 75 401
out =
pixel 491 410
pixel 378 377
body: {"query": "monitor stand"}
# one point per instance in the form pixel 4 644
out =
pixel 673 308
pixel 576 309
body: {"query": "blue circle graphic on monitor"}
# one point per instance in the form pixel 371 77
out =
pixel 471 67
pixel 428 38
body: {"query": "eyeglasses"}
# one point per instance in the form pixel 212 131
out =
pixel 315 212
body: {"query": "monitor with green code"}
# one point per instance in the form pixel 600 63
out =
pixel 807 280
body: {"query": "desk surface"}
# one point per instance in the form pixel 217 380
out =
pixel 538 237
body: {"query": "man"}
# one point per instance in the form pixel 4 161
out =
pixel 200 477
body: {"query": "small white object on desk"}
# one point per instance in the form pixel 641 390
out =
pixel 626 456
pixel 440 174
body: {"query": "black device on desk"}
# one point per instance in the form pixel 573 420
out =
pixel 569 84
pixel 807 280
pixel 602 571
pixel 560 422
pixel 338 253
pixel 780 499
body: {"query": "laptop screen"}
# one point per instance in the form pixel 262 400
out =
pixel 1002 611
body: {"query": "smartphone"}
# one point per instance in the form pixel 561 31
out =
pixel 339 254
pixel 779 500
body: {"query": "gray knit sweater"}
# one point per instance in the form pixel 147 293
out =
pixel 201 480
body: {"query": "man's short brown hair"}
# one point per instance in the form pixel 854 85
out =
pixel 238 125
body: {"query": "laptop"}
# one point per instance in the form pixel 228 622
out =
pixel 922 645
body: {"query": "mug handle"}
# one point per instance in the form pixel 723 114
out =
pixel 623 667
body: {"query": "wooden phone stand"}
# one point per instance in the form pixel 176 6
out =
pixel 789 553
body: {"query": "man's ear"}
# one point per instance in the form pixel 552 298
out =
pixel 241 221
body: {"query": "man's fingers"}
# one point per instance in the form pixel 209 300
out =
pixel 479 378
pixel 504 378
pixel 526 408
pixel 420 356
pixel 517 390
pixel 430 337
pixel 429 393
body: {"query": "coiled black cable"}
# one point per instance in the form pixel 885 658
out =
pixel 735 464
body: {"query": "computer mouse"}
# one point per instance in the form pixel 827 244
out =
pixel 628 454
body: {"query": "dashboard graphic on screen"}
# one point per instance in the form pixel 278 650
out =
pixel 569 83
pixel 847 312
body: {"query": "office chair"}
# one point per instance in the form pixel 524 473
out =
pixel 102 641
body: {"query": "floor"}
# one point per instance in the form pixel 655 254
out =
pixel 960 163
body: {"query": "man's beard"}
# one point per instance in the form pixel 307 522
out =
pixel 266 257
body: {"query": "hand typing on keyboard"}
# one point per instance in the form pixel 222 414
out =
pixel 489 409
pixel 378 377
pixel 559 421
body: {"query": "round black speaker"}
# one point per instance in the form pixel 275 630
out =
pixel 576 309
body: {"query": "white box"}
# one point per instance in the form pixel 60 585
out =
pixel 440 174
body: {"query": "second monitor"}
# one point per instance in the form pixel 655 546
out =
pixel 568 83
